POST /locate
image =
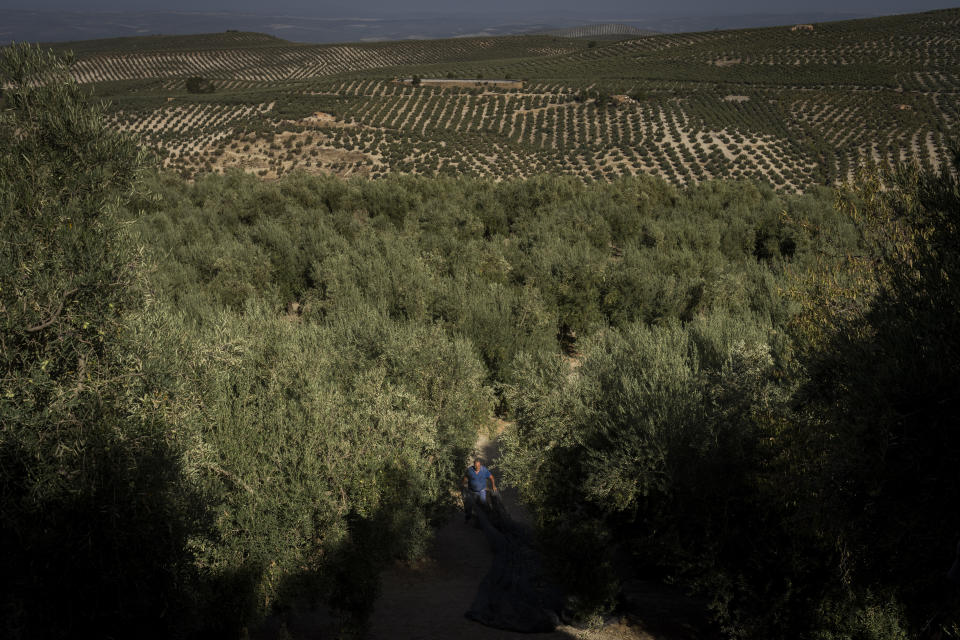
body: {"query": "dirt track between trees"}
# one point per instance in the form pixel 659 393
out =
pixel 428 600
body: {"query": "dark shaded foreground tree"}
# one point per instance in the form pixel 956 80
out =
pixel 799 475
pixel 880 340
pixel 94 515
pixel 167 477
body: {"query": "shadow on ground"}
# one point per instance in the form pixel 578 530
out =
pixel 428 600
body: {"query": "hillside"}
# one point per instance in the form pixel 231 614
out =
pixel 232 405
pixel 792 106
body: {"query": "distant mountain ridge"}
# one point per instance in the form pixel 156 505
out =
pixel 23 25
pixel 604 30
pixel 194 42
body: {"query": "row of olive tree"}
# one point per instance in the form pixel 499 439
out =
pixel 287 295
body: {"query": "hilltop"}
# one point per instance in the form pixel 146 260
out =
pixel 792 105
pixel 607 30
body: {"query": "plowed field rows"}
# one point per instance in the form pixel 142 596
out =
pixel 794 107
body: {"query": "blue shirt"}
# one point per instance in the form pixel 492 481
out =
pixel 478 479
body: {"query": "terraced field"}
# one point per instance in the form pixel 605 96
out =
pixel 792 106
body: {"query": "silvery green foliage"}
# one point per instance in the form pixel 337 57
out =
pixel 94 515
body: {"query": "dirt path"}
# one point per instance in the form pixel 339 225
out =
pixel 427 601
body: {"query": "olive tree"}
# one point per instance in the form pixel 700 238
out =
pixel 92 507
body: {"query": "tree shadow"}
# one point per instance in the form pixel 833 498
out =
pixel 110 556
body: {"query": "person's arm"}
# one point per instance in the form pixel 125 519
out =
pixel 493 482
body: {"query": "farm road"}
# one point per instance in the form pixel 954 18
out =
pixel 427 601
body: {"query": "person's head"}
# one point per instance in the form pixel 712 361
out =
pixel 477 463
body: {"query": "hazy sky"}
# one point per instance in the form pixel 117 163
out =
pixel 316 8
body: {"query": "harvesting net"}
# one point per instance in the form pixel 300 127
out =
pixel 515 595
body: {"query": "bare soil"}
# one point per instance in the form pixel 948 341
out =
pixel 259 158
pixel 428 600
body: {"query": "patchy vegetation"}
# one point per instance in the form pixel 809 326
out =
pixel 791 108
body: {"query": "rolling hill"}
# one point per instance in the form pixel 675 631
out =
pixel 796 105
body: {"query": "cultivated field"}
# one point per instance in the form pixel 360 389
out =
pixel 794 107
